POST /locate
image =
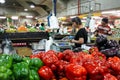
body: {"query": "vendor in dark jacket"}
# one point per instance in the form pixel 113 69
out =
pixel 81 35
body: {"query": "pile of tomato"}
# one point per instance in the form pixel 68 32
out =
pixel 69 65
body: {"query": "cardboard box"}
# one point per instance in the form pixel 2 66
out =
pixel 23 51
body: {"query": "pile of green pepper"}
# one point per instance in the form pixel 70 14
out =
pixel 14 67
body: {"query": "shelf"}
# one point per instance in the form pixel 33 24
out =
pixel 25 36
pixel 59 36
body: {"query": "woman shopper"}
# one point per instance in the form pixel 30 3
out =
pixel 81 35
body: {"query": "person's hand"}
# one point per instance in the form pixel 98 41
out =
pixel 72 40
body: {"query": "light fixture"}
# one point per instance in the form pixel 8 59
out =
pixel 2 1
pixel 36 17
pixel 32 6
pixel 2 17
pixel 118 11
pixel 112 12
pixel 118 14
pixel 14 17
pixel 25 9
pixel 109 12
pixel 29 16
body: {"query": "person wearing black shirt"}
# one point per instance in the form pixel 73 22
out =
pixel 37 24
pixel 81 35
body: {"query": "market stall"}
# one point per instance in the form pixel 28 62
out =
pixel 23 43
pixel 30 50
pixel 25 36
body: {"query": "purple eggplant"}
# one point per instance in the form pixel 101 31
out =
pixel 110 52
pixel 111 43
pixel 101 40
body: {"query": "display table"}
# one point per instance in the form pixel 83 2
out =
pixel 25 36
pixel 59 36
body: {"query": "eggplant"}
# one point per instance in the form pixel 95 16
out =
pixel 111 43
pixel 110 52
pixel 101 40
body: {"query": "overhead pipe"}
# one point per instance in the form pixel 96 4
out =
pixel 78 7
pixel 54 6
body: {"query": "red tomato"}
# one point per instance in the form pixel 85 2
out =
pixel 96 77
pixel 114 64
pixel 53 67
pixel 49 58
pixel 60 55
pixel 46 73
pixel 76 72
pixel 109 77
pixel 34 56
pixel 67 55
pixel 41 54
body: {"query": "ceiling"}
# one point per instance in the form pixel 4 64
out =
pixel 42 7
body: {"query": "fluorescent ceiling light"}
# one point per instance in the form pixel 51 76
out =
pixel 2 17
pixel 109 12
pixel 36 17
pixel 32 6
pixel 118 11
pixel 2 1
pixel 14 17
pixel 29 16
pixel 117 14
pixel 25 9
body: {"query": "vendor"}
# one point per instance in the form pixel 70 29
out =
pixel 103 28
pixel 81 35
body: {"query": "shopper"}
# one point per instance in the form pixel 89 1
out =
pixel 103 28
pixel 42 27
pixel 61 28
pixel 37 24
pixel 81 35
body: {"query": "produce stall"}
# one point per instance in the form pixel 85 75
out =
pixel 21 41
pixel 30 50
pixel 25 36
pixel 67 65
pixel 100 62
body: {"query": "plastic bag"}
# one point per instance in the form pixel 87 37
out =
pixel 7 47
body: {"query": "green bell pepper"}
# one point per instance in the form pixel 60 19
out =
pixel 6 61
pixel 5 73
pixel 27 60
pixel 16 58
pixel 21 71
pixel 33 75
pixel 35 63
